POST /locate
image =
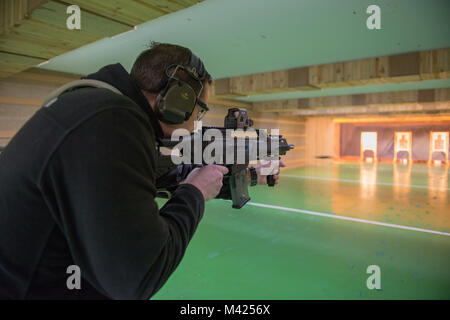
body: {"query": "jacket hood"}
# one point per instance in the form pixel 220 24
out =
pixel 118 77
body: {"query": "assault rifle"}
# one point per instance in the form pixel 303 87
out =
pixel 234 145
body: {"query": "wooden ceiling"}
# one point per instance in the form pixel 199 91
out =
pixel 33 31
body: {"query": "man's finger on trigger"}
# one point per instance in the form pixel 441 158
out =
pixel 267 164
pixel 222 169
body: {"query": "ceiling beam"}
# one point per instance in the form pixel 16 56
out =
pixel 380 109
pixel 36 75
pixel 231 103
pixel 14 11
pixel 13 63
pixel 437 119
pixel 380 98
pixel 407 67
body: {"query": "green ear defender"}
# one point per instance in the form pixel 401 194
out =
pixel 177 100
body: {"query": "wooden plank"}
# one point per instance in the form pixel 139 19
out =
pixel 442 94
pixel 45 34
pixel 4 141
pixel 12 12
pixel 337 141
pixel 294 135
pixel 11 63
pixel 435 64
pixel 381 109
pixel 129 12
pixel 319 137
pixel 16 111
pixel 298 78
pixel 358 99
pixel 37 28
pixel 33 102
pixel 231 103
pixel 166 6
pixel 7 134
pixel 187 2
pixel 426 95
pixel 26 89
pixel 220 87
pixel 401 118
pixel 380 98
pixel 259 120
pixel 393 97
pixel 54 13
pixel 39 76
pixel 407 64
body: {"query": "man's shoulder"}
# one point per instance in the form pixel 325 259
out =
pixel 78 106
pixel 106 124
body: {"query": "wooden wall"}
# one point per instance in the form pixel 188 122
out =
pixel 21 96
pixel 320 138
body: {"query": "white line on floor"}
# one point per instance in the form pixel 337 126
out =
pixel 328 215
pixel 358 181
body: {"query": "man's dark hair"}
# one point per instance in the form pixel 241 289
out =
pixel 149 68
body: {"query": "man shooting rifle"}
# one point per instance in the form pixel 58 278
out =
pixel 78 183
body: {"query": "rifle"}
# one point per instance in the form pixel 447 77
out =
pixel 237 140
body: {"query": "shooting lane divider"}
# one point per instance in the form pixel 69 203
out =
pixel 333 216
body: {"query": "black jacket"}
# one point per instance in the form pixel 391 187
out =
pixel 77 187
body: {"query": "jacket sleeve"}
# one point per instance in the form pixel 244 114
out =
pixel 100 185
pixel 170 176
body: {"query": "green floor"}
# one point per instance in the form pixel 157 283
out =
pixel 267 253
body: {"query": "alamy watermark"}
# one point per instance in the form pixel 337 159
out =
pixel 74 280
pixel 73 22
pixel 373 22
pixel 374 281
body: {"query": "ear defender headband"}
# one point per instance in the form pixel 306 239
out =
pixel 177 101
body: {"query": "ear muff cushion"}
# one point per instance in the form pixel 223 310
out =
pixel 177 103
